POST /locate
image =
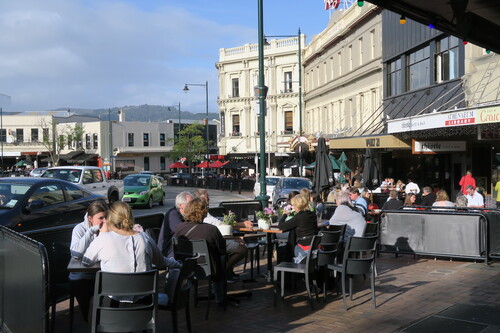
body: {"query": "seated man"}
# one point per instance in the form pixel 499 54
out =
pixel 235 249
pixel 474 199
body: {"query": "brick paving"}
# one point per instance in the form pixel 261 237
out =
pixel 408 289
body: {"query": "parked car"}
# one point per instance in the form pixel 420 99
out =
pixel 286 185
pixel 143 189
pixel 89 177
pixel 37 172
pixel 31 203
pixel 271 182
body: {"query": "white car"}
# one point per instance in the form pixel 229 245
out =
pixel 37 172
pixel 271 182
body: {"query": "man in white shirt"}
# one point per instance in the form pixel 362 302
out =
pixel 412 187
pixel 474 199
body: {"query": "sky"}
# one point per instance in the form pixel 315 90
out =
pixel 110 53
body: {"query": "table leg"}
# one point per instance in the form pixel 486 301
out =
pixel 270 257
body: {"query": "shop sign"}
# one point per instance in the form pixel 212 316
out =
pixel 434 147
pixel 445 119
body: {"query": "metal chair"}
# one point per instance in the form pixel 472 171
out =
pixel 176 296
pixel 253 243
pixel 359 259
pixel 330 247
pixel 372 229
pixel 204 270
pixel 307 269
pixel 140 310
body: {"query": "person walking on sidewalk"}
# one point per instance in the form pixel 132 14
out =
pixel 467 179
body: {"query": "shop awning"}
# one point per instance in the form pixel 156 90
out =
pixel 82 158
pixel 71 155
pixel 372 141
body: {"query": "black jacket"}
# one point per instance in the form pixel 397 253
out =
pixel 305 224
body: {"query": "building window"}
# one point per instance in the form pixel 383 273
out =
pixel 34 135
pixel 162 139
pixel 350 57
pixel 236 125
pixel 372 44
pixel 87 141
pixel 288 122
pixel 19 135
pixel 95 140
pixel 288 82
pixel 417 69
pixel 236 87
pixel 222 124
pixel 45 134
pixel 339 62
pixel 130 139
pixel 162 163
pixel 145 139
pixel 446 59
pixel 360 42
pixel 146 163
pixel 3 135
pixel 394 78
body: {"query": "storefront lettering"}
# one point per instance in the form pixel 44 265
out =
pixel 375 142
pixel 489 116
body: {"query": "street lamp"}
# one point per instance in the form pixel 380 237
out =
pixel 2 136
pixel 186 89
pixel 111 169
pixel 261 91
pixel 300 92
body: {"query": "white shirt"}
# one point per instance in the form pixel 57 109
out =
pixel 126 254
pixel 412 187
pixel 475 200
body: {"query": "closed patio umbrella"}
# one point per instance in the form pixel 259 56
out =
pixel 323 169
pixel 370 170
pixel 343 167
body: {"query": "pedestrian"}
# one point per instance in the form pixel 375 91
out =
pixel 466 180
pixel 497 189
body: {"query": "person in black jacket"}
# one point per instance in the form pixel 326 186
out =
pixel 393 203
pixel 428 197
pixel 304 223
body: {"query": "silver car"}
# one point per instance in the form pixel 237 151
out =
pixel 271 182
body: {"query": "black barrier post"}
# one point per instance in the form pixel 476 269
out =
pixel 239 188
pixel 231 187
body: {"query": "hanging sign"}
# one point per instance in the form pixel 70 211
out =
pixel 434 147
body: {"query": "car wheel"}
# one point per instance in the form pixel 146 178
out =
pixel 113 198
pixel 162 199
pixel 149 205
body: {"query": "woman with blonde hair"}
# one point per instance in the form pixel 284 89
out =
pixel 442 200
pixel 304 223
pixel 121 249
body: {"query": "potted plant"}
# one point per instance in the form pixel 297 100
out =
pixel 229 220
pixel 264 218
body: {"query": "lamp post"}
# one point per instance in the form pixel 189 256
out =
pixel 2 136
pixel 186 89
pixel 111 169
pixel 261 91
pixel 300 93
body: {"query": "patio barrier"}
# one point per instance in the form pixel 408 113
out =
pixel 232 185
pixel 24 284
pixel 461 234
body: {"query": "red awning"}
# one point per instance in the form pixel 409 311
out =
pixel 216 164
pixel 177 165
pixel 203 164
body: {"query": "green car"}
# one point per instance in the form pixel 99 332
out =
pixel 143 190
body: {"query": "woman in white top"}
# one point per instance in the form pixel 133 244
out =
pixel 123 250
pixel 345 214
pixel 442 200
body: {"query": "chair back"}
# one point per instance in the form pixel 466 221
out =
pixel 179 283
pixel 340 228
pixel 312 255
pixel 359 254
pixel 141 314
pixel 331 237
pixel 185 248
pixel 371 229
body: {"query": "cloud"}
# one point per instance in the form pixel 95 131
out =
pixel 94 54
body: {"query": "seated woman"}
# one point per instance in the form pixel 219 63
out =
pixel 442 200
pixel 347 214
pixel 121 249
pixel 194 213
pixel 83 234
pixel 303 222
pixel 410 201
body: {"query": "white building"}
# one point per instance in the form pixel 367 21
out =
pixel 239 111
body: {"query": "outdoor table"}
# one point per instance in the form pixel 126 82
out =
pixel 76 265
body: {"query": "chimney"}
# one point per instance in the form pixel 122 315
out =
pixel 121 115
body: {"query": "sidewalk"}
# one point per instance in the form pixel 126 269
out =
pixel 413 295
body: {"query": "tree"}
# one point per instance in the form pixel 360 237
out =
pixel 190 144
pixel 56 137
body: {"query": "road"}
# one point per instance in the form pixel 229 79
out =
pixel 171 192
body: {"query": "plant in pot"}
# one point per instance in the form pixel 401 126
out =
pixel 229 220
pixel 264 218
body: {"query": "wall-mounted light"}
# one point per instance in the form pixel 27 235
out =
pixel 402 19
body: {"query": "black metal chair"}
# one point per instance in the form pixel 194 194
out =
pixel 140 310
pixel 372 229
pixel 204 270
pixel 60 288
pixel 176 296
pixel 359 259
pixel 310 267
pixel 330 247
pixel 253 243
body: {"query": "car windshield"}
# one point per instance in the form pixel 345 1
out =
pixel 70 175
pixel 297 183
pixel 136 181
pixel 11 193
pixel 272 181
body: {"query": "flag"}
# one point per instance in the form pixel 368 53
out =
pixel 332 4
